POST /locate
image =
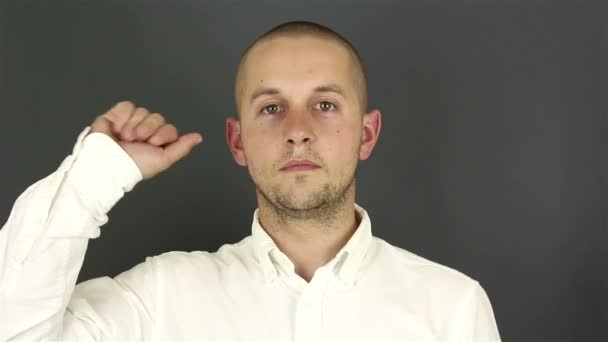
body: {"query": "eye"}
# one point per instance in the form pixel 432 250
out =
pixel 325 106
pixel 271 109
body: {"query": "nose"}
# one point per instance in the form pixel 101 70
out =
pixel 299 128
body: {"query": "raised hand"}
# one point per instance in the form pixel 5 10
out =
pixel 153 144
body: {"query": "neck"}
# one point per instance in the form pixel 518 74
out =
pixel 310 239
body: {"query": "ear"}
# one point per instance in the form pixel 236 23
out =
pixel 372 122
pixel 233 138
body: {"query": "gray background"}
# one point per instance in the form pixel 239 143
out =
pixel 492 158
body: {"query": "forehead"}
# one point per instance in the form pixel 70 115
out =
pixel 296 62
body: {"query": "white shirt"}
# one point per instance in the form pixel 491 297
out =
pixel 247 291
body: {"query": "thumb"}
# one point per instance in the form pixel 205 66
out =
pixel 181 147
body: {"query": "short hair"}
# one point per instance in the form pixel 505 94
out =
pixel 306 28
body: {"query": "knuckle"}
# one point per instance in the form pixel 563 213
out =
pixel 168 129
pixel 151 122
pixel 157 118
pixel 142 128
pixel 124 107
pixel 125 103
pixel 136 118
pixel 142 111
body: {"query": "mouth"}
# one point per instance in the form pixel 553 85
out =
pixel 299 165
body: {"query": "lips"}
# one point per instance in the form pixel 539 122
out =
pixel 299 165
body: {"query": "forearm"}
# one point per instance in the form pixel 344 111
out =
pixel 42 245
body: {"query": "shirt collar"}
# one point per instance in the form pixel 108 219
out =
pixel 347 261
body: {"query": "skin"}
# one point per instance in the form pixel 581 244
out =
pixel 309 213
pixel 153 144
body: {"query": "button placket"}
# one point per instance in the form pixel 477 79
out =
pixel 309 308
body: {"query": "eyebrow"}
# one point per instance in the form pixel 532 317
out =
pixel 328 88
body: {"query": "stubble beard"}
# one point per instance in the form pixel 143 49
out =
pixel 320 206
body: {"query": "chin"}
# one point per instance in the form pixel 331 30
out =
pixel 300 205
pixel 302 199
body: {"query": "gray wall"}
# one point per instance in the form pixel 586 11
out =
pixel 492 159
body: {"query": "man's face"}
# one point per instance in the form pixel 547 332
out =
pixel 299 104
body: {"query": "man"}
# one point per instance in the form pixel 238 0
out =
pixel 311 269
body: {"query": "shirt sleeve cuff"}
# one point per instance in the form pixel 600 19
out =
pixel 102 172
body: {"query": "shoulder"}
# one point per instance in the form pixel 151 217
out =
pixel 421 272
pixel 228 255
pixel 455 302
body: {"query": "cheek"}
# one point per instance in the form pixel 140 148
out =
pixel 260 150
pixel 343 146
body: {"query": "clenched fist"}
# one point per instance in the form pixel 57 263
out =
pixel 153 144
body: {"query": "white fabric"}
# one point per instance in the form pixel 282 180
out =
pixel 247 291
